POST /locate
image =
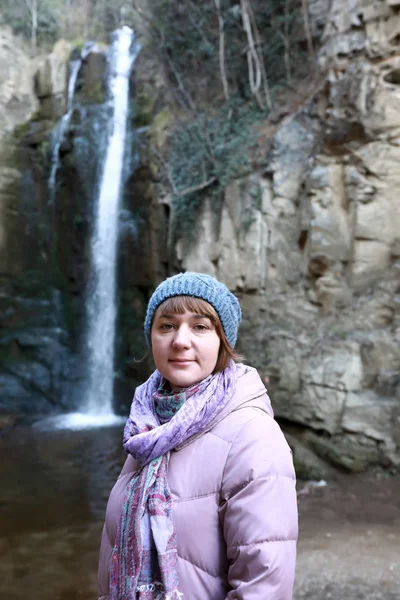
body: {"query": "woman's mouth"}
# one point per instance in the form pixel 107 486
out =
pixel 180 361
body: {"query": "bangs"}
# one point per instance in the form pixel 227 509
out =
pixel 179 304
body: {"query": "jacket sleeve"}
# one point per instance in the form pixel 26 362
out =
pixel 259 513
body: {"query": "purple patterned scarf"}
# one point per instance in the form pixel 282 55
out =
pixel 144 564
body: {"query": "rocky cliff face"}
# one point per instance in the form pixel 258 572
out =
pixel 311 245
pixel 32 324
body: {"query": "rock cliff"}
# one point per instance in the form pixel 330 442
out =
pixel 32 324
pixel 311 245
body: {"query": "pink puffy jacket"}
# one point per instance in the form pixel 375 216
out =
pixel 234 502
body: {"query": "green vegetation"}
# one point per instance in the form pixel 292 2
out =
pixel 225 62
pixel 42 22
pixel 194 40
pixel 205 153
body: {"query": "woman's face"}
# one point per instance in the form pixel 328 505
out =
pixel 185 347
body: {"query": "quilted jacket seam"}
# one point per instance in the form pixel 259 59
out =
pixel 242 485
pixel 197 497
pixel 279 541
pixel 198 567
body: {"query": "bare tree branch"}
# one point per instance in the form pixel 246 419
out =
pixel 33 11
pixel 222 49
pixel 186 101
pixel 186 191
pixel 254 58
pixel 259 49
pixel 195 188
pixel 192 14
pixel 184 92
pixel 307 28
pixel 287 43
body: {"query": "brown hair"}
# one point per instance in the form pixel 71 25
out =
pixel 179 304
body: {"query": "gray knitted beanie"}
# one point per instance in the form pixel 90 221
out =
pixel 202 286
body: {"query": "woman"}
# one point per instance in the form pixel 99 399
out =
pixel 205 507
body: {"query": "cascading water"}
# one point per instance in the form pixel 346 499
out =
pixel 101 303
pixel 97 391
pixel 63 124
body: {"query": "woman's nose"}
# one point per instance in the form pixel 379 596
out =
pixel 182 338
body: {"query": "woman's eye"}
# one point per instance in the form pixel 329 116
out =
pixel 166 326
pixel 201 327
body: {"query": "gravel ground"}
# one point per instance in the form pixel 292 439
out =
pixel 352 562
pixel 349 546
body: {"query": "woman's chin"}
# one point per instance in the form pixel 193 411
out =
pixel 183 378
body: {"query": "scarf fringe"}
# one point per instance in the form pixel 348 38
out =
pixel 174 595
pixel 150 587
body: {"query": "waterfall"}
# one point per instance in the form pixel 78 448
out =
pixel 101 300
pixel 63 124
pixel 111 158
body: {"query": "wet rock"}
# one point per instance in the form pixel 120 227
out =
pixel 51 76
pixel 92 89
